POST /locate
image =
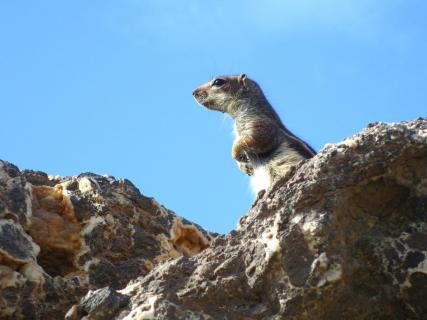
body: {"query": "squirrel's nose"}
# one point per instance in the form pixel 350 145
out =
pixel 199 93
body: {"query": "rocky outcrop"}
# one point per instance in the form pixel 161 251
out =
pixel 60 237
pixel 343 236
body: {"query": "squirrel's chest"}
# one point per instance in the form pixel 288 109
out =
pixel 235 131
pixel 244 125
pixel 239 129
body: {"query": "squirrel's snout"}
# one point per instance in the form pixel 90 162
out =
pixel 199 94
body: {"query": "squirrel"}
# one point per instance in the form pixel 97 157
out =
pixel 264 148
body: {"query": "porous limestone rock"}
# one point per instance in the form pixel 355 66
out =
pixel 63 236
pixel 342 236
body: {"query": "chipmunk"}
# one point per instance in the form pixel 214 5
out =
pixel 264 148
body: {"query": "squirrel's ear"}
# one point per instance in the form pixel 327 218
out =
pixel 243 79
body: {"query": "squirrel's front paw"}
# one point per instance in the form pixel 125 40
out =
pixel 246 167
pixel 239 154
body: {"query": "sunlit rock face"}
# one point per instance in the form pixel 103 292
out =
pixel 342 236
pixel 63 236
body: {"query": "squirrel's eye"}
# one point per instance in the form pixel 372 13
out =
pixel 218 82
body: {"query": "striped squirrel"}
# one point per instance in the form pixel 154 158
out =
pixel 264 148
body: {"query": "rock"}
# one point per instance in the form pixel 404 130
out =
pixel 342 236
pixel 16 247
pixel 63 236
pixel 99 304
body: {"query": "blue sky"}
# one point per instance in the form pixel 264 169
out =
pixel 105 86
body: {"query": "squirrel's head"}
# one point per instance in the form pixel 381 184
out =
pixel 224 93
